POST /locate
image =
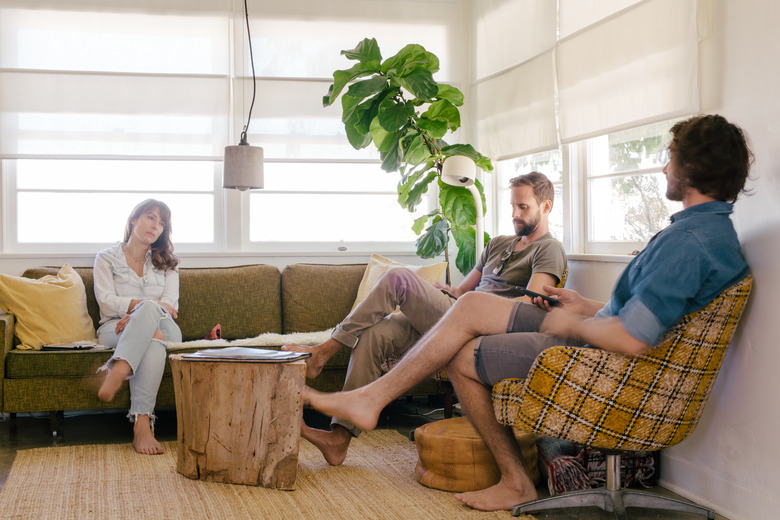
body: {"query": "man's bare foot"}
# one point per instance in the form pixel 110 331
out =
pixel 332 443
pixel 143 438
pixel 114 379
pixel 320 354
pixel 497 498
pixel 355 406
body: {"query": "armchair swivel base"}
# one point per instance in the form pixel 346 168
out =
pixel 611 498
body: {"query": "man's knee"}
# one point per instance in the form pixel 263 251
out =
pixel 463 363
pixel 395 277
pixel 158 334
pixel 471 300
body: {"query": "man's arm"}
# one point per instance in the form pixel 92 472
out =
pixel 468 284
pixel 606 333
pixel 537 284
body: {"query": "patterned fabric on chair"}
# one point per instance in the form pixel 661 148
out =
pixel 617 402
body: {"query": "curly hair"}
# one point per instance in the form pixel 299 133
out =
pixel 162 249
pixel 543 188
pixel 713 155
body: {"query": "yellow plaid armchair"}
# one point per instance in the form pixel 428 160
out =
pixel 616 402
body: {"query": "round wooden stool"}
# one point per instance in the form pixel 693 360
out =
pixel 453 457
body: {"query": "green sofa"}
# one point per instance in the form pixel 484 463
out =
pixel 246 300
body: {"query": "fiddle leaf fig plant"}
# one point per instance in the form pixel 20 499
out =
pixel 396 105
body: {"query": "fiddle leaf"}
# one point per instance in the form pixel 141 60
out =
pixel 397 105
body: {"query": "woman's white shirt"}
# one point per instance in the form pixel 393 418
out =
pixel 116 284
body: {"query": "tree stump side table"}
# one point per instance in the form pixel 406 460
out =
pixel 238 422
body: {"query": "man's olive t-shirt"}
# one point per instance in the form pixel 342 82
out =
pixel 545 255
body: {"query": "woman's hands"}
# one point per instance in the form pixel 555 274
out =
pixel 124 320
pixel 169 309
pixel 122 323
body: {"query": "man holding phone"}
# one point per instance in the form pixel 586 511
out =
pixel 484 339
pixel 530 258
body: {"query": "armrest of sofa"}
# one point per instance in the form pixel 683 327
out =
pixel 7 337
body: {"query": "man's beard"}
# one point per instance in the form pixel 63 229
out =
pixel 675 190
pixel 526 228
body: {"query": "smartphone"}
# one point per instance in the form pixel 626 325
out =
pixel 552 301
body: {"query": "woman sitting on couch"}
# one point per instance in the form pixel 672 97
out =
pixel 137 288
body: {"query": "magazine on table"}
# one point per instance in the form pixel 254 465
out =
pixel 74 345
pixel 248 354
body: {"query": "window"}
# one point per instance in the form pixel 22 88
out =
pixel 327 205
pixel 548 163
pixel 610 196
pixel 105 106
pixel 86 202
pixel 624 188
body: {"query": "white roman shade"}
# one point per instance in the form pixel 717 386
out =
pixel 607 64
pixel 513 91
pixel 114 79
pixel 171 79
pixel 635 67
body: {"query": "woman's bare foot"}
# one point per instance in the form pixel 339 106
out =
pixel 320 354
pixel 118 372
pixel 497 498
pixel 355 406
pixel 143 438
pixel 332 443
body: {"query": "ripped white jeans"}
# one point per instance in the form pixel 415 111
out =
pixel 145 355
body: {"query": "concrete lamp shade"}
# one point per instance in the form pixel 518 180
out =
pixel 243 167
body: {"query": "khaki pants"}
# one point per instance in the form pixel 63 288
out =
pixel 375 332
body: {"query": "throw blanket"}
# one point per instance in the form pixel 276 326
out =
pixel 263 340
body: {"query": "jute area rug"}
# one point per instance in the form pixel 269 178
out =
pixel 112 481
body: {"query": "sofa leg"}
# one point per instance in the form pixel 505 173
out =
pixel 55 422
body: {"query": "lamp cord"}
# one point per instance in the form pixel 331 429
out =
pixel 254 82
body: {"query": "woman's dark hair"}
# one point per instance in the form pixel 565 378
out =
pixel 713 155
pixel 162 249
pixel 543 188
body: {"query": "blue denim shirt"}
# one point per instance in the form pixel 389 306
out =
pixel 682 269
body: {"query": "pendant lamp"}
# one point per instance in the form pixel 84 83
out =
pixel 243 165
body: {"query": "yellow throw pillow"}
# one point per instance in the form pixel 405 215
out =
pixel 51 309
pixel 378 265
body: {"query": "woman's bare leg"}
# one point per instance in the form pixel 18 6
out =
pixel 116 375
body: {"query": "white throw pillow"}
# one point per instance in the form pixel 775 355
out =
pixel 378 265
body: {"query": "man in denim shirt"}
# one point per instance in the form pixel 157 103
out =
pixel 484 338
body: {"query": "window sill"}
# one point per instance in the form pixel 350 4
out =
pixel 602 258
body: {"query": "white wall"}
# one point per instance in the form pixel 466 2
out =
pixel 731 461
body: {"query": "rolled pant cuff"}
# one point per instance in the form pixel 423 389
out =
pixel 346 339
pixel 351 428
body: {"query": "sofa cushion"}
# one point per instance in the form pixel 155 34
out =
pixel 51 309
pixel 245 300
pixel 36 364
pixel 318 296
